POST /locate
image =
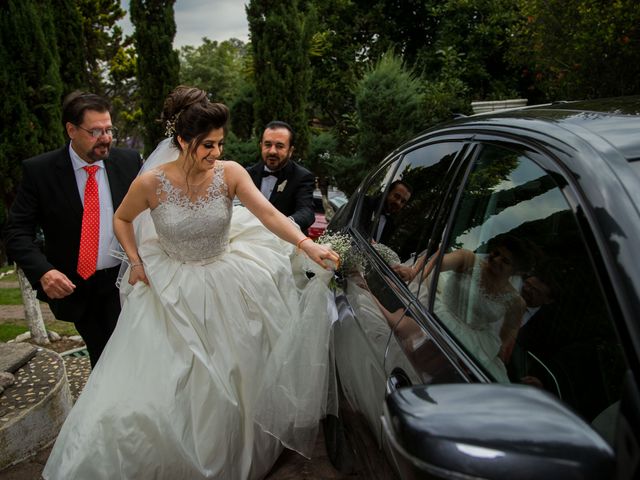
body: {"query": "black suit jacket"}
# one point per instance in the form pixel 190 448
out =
pixel 538 336
pixel 48 198
pixel 369 208
pixel 296 199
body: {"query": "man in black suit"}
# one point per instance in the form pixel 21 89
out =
pixel 396 199
pixel 538 329
pixel 287 185
pixel 54 187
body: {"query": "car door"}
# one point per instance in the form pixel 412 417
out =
pixel 515 291
pixel 373 297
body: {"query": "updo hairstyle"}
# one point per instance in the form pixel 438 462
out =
pixel 521 250
pixel 188 113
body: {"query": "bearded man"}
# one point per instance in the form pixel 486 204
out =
pixel 287 185
pixel 70 195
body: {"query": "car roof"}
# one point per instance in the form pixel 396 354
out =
pixel 615 120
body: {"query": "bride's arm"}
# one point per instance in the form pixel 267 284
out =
pixel 135 201
pixel 240 184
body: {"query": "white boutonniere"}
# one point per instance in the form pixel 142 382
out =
pixel 281 186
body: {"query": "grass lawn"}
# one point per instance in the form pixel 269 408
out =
pixel 10 296
pixel 8 276
pixel 10 329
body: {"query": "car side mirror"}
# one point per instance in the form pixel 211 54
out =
pixel 490 431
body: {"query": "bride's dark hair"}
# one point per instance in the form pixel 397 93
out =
pixel 189 113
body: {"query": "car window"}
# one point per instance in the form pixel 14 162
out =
pixel 403 213
pixel 374 191
pixel 516 288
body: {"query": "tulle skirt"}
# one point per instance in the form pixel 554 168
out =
pixel 212 369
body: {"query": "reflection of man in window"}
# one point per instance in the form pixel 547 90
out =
pixel 397 197
pixel 537 329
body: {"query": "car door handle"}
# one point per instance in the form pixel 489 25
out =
pixel 397 379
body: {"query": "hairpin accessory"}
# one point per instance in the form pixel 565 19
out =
pixel 170 125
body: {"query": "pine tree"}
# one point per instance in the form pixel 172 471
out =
pixel 30 108
pixel 102 39
pixel 280 38
pixel 158 64
pixel 71 44
pixel 388 100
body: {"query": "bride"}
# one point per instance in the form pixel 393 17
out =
pixel 219 358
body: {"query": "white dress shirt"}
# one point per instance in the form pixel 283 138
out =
pixel 108 241
pixel 268 184
pixel 382 221
pixel 528 313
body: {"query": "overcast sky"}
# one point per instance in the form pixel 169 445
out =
pixel 214 19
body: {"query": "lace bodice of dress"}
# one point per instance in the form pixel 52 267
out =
pixel 193 230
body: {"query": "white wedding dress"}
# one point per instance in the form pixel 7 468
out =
pixel 214 366
pixel 474 316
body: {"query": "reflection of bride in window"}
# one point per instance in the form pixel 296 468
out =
pixel 477 302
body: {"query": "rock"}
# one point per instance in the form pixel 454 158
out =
pixel 6 380
pixel 23 337
pixel 15 355
pixel 53 336
pixel 76 338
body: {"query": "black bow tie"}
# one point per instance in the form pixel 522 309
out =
pixel 267 173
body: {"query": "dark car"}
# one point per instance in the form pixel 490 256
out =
pixel 336 199
pixel 500 338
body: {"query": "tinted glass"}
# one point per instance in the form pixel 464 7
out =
pixel 517 290
pixel 374 191
pixel 402 218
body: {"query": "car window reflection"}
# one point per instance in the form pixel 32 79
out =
pixel 516 288
pixel 396 205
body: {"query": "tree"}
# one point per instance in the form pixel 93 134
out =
pixel 216 67
pixel 71 44
pixel 280 39
pixel 31 86
pixel 29 108
pixel 445 94
pixel 124 94
pixel 220 68
pixel 388 102
pixel 573 49
pixel 102 39
pixel 335 57
pixel 32 312
pixel 477 31
pixel 158 63
pixel 242 111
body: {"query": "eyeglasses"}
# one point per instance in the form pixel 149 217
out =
pixel 98 132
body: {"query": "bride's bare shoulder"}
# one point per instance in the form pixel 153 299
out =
pixel 233 175
pixel 232 165
pixel 233 170
pixel 150 179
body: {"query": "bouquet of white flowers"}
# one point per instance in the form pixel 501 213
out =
pixel 387 254
pixel 350 258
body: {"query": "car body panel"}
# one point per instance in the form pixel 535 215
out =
pixel 392 336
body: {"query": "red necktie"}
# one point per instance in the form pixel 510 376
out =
pixel 90 235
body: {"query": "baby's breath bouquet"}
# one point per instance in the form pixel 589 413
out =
pixel 388 255
pixel 350 258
